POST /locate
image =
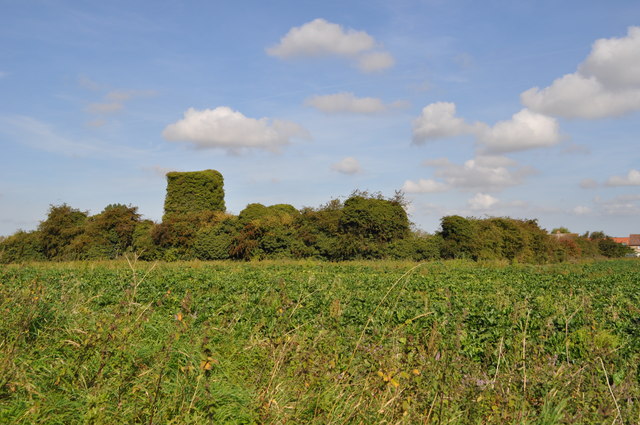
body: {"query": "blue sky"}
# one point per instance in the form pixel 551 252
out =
pixel 528 109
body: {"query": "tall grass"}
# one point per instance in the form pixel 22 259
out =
pixel 304 342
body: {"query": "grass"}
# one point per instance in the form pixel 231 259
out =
pixel 326 343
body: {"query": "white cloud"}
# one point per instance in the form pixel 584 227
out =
pixel 631 179
pixel 588 184
pixel 606 84
pixel 349 103
pixel 424 186
pixel 484 173
pixel 320 38
pixel 625 205
pixel 438 121
pixel 615 61
pixel 225 128
pixel 348 165
pixel 375 61
pixel 482 201
pixel 581 210
pixel 525 130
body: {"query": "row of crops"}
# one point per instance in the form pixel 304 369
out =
pixel 306 342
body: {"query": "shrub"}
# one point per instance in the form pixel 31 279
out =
pixel 62 226
pixel 21 246
pixel 194 192
pixel 374 218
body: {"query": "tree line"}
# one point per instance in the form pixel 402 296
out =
pixel 195 225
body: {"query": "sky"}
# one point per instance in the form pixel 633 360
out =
pixel 526 109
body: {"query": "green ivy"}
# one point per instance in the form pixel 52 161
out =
pixel 194 191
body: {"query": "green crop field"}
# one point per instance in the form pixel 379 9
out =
pixel 326 343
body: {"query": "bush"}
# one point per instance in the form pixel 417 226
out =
pixel 62 226
pixel 21 246
pixel 194 192
pixel 374 218
pixel 214 242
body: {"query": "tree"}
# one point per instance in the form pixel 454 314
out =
pixel 62 226
pixel 373 218
pixel 459 237
pixel 21 246
pixel 610 248
pixel 108 234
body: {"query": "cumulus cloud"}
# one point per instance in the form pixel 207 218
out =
pixel 525 130
pixel 322 38
pixel 348 165
pixel 227 129
pixel 424 186
pixel 482 201
pixel 631 179
pixel 375 61
pixel 606 84
pixel 349 103
pixel 438 121
pixel 484 173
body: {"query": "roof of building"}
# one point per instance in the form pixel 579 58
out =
pixel 634 240
pixel 624 241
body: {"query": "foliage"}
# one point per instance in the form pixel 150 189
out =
pixel 611 249
pixel 177 233
pixel 373 218
pixel 459 237
pixel 108 234
pixel 62 225
pixel 320 343
pixel 214 241
pixel 21 246
pixel 365 226
pixel 266 232
pixel 194 192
